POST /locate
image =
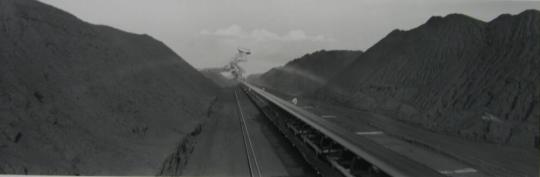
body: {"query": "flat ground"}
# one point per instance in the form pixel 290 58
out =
pixel 451 155
pixel 220 151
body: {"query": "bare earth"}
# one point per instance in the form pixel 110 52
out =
pixel 219 150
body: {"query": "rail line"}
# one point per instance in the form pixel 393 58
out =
pixel 253 164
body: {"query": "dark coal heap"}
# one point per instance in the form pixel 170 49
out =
pixel 455 75
pixel 77 98
pixel 307 73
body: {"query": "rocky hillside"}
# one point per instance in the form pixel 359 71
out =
pixel 77 98
pixel 453 74
pixel 307 73
pixel 254 78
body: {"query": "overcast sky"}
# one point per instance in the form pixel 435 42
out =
pixel 206 33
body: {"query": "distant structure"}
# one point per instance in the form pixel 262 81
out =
pixel 233 67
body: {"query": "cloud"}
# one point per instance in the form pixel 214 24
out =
pixel 261 35
pixel 269 48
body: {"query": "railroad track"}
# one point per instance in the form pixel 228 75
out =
pixel 251 157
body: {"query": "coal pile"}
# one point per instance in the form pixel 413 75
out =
pixel 307 73
pixel 78 98
pixel 455 75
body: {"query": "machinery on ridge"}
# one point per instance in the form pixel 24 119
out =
pixel 233 66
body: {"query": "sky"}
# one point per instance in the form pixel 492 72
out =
pixel 207 33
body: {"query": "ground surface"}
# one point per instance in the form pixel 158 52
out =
pixel 452 155
pixel 220 150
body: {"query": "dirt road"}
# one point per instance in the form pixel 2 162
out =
pixel 220 148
